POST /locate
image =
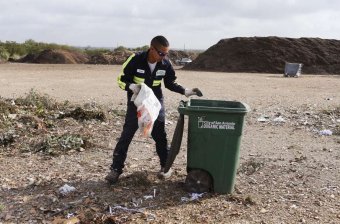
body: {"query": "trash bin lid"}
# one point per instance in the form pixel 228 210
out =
pixel 175 143
pixel 219 106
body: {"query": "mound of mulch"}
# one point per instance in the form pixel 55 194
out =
pixel 110 58
pixel 269 54
pixel 61 57
pixel 177 55
pixel 119 57
pixel 56 56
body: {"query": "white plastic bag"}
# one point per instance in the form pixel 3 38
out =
pixel 148 107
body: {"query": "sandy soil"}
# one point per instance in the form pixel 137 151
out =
pixel 288 172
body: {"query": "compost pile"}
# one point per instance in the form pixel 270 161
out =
pixel 56 56
pixel 269 54
pixel 110 58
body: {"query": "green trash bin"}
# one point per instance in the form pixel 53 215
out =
pixel 214 136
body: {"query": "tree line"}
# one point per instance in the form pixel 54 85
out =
pixel 12 49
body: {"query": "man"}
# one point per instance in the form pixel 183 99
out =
pixel 149 67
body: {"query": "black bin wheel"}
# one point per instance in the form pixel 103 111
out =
pixel 198 181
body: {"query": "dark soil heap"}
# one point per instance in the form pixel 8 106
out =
pixel 119 57
pixel 56 56
pixel 269 54
pixel 110 58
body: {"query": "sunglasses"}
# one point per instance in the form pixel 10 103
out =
pixel 160 53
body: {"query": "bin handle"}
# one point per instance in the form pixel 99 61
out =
pixel 183 103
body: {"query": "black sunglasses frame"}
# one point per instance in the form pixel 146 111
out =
pixel 160 53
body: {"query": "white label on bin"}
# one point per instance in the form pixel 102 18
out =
pixel 224 125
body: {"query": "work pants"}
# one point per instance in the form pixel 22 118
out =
pixel 129 129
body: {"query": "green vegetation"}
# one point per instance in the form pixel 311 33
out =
pixel 41 102
pixel 121 48
pixel 57 143
pixel 96 51
pixel 2 207
pixel 11 49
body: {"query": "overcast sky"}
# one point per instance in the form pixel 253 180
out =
pixel 189 24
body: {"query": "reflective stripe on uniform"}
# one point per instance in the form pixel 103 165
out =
pixel 138 80
pixel 156 82
pixel 120 83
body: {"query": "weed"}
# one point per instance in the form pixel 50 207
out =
pixel 2 207
pixel 57 144
pixel 41 102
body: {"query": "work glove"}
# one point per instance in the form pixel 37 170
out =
pixel 135 88
pixel 191 92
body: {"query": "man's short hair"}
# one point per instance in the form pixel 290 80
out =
pixel 159 41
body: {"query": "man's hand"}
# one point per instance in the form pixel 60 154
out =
pixel 135 88
pixel 191 92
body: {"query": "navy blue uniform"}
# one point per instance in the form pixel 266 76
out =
pixel 136 70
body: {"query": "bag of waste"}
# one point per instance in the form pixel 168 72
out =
pixel 148 107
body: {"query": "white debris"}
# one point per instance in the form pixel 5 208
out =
pixel 325 132
pixel 118 207
pixel 262 119
pixel 279 119
pixel 69 215
pixel 193 196
pixel 12 116
pixel 66 189
pixel 146 197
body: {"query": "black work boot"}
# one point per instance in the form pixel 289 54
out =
pixel 112 177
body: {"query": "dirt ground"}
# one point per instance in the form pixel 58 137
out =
pixel 288 172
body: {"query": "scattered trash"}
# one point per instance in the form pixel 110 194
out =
pixel 12 116
pixel 193 196
pixel 136 202
pixel 279 119
pixel 69 215
pixel 326 132
pixel 263 210
pixel 118 207
pixel 263 119
pixel 66 189
pixel 146 197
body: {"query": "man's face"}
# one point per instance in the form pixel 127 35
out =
pixel 159 52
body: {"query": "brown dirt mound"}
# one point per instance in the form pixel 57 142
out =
pixel 269 54
pixel 56 56
pixel 111 58
pixel 29 58
pixel 176 55
pixel 119 57
pixel 60 57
